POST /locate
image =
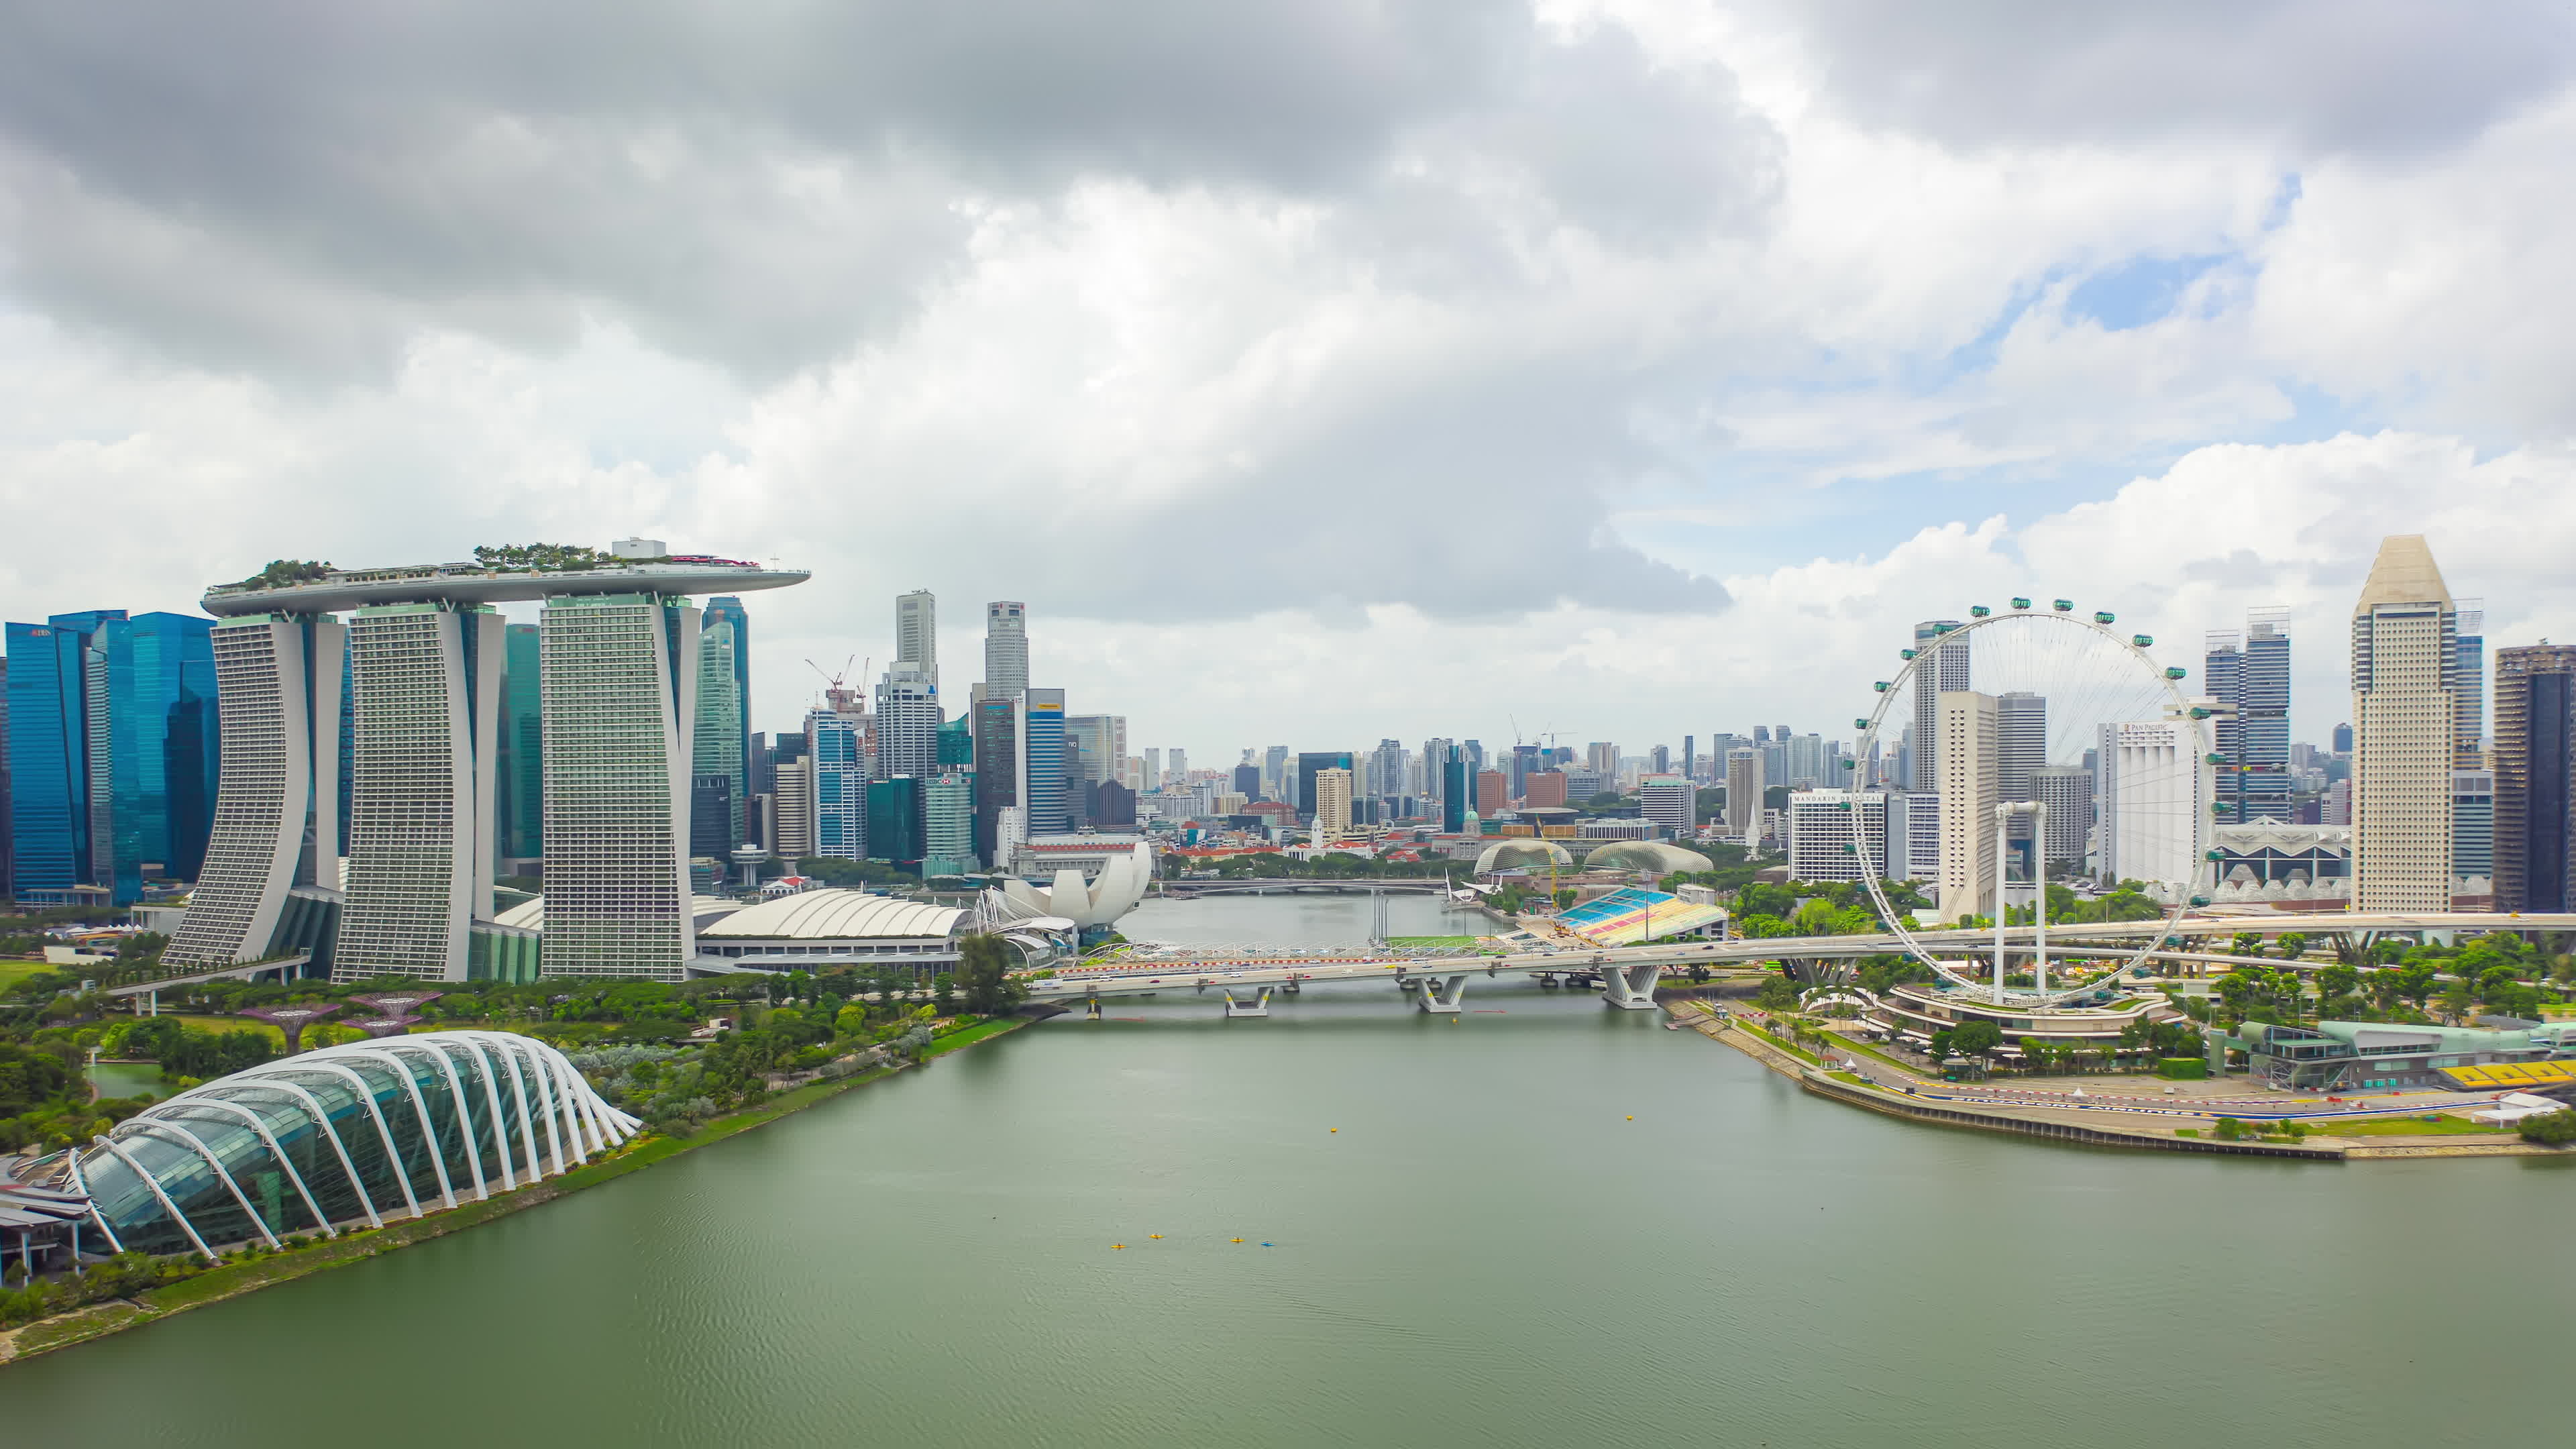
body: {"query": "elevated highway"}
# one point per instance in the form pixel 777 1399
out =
pixel 1181 890
pixel 1628 974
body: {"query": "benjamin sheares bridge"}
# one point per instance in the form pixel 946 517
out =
pixel 408 893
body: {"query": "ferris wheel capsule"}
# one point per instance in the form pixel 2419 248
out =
pixel 1882 686
pixel 1979 611
pixel 2176 672
pixel 2021 603
pixel 1904 653
pixel 2143 641
pixel 2106 617
pixel 2064 606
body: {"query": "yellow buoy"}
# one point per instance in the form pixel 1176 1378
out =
pixel 1117 1245
pixel 1332 1129
pixel 1632 1116
pixel 1153 1235
pixel 1234 1240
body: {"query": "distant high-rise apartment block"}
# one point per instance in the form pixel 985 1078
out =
pixel 1602 757
pixel 1744 787
pixel 1490 797
pixel 2405 668
pixel 948 827
pixel 916 634
pixel 2067 791
pixel 2535 778
pixel 1247 781
pixel 1968 725
pixel 1332 804
pixel 1671 802
pixel 1945 670
pixel 1177 761
pixel 1544 789
pixel 1006 649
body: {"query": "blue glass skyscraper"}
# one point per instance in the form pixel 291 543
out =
pixel 113 754
pixel 1042 760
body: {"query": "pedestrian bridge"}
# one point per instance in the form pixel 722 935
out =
pixel 1627 975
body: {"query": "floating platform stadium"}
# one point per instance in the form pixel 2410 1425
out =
pixel 1626 917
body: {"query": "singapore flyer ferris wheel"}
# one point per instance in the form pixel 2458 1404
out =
pixel 2035 747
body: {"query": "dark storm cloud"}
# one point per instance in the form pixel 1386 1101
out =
pixel 2372 76
pixel 302 186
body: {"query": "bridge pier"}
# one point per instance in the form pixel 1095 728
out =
pixel 1441 995
pixel 1259 1006
pixel 1289 987
pixel 1630 988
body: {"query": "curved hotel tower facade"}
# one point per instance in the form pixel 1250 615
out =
pixel 618 648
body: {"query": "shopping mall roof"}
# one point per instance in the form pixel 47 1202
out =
pixel 837 915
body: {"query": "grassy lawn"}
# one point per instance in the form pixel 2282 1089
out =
pixel 1435 943
pixel 980 1031
pixel 2409 1127
pixel 13 972
pixel 227 1023
pixel 1855 1078
pixel 1874 1054
pixel 1801 1053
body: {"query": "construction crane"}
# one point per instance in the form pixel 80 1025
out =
pixel 835 691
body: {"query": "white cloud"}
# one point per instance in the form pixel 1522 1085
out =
pixel 1476 399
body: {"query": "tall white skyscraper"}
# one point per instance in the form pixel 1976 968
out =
pixel 2021 742
pixel 908 719
pixel 1180 764
pixel 1838 834
pixel 916 633
pixel 1946 670
pixel 2405 730
pixel 1006 649
pixel 1744 786
pixel 2067 791
pixel 277 810
pixel 620 692
pixel 1670 802
pixel 426 689
pixel 1971 785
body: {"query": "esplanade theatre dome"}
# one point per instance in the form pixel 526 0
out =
pixel 1522 854
pixel 1655 856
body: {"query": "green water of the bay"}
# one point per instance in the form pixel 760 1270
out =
pixel 1542 1223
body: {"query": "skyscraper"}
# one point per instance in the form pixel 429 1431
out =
pixel 1006 649
pixel 2067 791
pixel 836 770
pixel 2535 778
pixel 1102 740
pixel 948 826
pixel 1042 783
pixel 2150 830
pixel 277 817
pixel 916 634
pixel 1454 803
pixel 722 781
pixel 2470 681
pixel 113 733
pixel 1670 802
pixel 1971 784
pixel 1276 781
pixel 1332 804
pixel 1309 762
pixel 2252 672
pixel 621 684
pixel 522 760
pixel 727 609
pixel 908 720
pixel 1744 787
pixel 2405 664
pixel 2473 825
pixel 1947 669
pixel 996 724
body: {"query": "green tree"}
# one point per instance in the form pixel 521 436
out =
pixel 1777 994
pixel 1976 1038
pixel 983 974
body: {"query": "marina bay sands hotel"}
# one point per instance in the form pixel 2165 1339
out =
pixel 409 892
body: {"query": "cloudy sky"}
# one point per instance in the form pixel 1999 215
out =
pixel 1315 370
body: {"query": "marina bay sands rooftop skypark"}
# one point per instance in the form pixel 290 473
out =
pixel 476 582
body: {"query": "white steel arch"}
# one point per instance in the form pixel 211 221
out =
pixel 313 1108
pixel 543 1083
pixel 204 1104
